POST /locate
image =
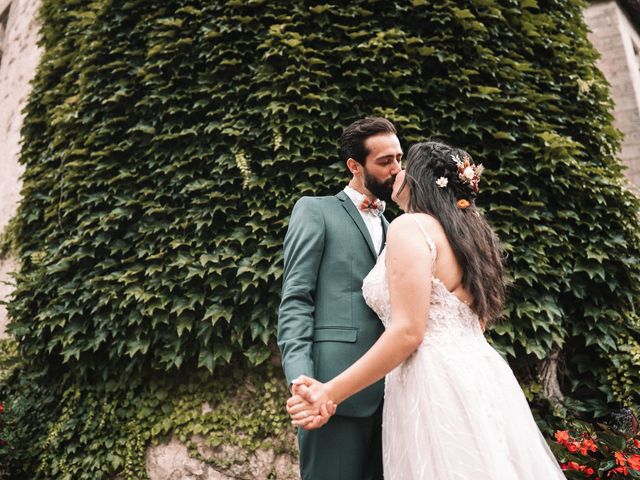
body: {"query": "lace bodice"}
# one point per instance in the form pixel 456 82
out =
pixel 447 313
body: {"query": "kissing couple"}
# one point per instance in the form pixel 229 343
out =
pixel 381 326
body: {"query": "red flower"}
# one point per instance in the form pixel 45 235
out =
pixel 588 471
pixel 575 466
pixel 634 462
pixel 588 445
pixel 620 458
pixel 562 436
pixel 2 443
pixel 622 470
pixel 627 460
pixel 1 407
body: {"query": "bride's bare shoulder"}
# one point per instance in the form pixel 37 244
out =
pixel 406 242
pixel 408 229
pixel 402 223
pixel 407 222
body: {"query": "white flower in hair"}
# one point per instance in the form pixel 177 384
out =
pixel 442 182
pixel 468 173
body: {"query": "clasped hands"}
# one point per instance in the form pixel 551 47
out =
pixel 310 405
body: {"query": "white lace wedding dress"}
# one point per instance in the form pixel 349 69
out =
pixel 453 410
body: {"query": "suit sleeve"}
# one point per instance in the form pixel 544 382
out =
pixel 303 249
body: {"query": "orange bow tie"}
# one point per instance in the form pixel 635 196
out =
pixel 376 207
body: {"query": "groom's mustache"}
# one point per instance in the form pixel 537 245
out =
pixel 390 181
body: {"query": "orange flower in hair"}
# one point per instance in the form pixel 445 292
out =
pixel 462 203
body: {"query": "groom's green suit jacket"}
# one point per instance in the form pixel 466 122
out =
pixel 324 324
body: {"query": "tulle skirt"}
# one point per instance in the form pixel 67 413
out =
pixel 455 411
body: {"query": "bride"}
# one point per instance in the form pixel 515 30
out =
pixel 453 408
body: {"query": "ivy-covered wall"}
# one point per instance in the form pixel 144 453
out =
pixel 166 143
pixel 74 431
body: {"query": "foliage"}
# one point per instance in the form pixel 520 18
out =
pixel 588 451
pixel 7 239
pixel 164 148
pixel 115 426
pixel 30 404
pixel 165 144
pixel 84 431
pixel 3 442
pixel 624 371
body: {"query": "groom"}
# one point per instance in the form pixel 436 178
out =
pixel 324 324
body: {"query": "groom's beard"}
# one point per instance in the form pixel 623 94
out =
pixel 382 190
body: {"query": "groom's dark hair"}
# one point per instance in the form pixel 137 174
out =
pixel 353 137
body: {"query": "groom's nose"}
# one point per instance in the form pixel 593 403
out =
pixel 395 168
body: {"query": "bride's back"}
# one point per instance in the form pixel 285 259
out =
pixel 447 268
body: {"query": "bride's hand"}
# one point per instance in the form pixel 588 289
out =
pixel 311 405
pixel 327 410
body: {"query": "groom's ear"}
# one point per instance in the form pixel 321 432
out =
pixel 354 167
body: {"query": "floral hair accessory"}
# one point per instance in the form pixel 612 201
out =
pixel 463 203
pixel 442 182
pixel 467 172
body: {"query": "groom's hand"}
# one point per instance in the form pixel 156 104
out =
pixel 306 422
pixel 309 406
pixel 327 410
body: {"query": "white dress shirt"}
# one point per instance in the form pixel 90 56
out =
pixel 371 220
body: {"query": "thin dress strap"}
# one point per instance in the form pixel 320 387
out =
pixel 432 244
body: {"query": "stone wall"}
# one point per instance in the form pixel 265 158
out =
pixel 20 56
pixel 618 42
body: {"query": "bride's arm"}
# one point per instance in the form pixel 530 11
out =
pixel 408 262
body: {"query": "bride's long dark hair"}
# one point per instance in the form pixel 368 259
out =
pixel 474 244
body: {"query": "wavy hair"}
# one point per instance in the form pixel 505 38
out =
pixel 474 243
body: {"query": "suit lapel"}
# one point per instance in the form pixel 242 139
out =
pixel 357 218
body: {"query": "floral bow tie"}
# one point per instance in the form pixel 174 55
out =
pixel 376 207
